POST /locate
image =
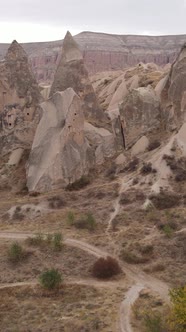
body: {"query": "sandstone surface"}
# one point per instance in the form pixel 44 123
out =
pixel 60 152
pixel 72 73
pixel 19 101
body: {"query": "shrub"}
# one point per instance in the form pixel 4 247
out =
pixel 79 184
pixel 56 202
pixel 165 200
pixel 17 214
pixel 146 169
pixel 167 230
pixel 50 279
pixel 132 165
pixel 37 240
pixel 70 218
pixel 105 268
pixel 131 258
pixel 178 314
pixel 34 194
pixel 16 253
pixel 154 145
pixel 111 172
pixel 86 222
pixel 57 241
pixel 153 322
pixel 147 249
pixel 49 240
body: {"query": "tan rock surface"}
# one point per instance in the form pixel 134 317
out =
pixel 140 114
pixel 71 72
pixel 140 146
pixel 60 153
pixel 19 100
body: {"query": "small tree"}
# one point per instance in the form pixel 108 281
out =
pixel 70 218
pixel 57 241
pixel 50 279
pixel 16 253
pixel 106 268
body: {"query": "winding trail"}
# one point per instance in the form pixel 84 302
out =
pixel 125 309
pixel 141 280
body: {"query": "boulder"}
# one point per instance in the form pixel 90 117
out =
pixel 102 141
pixel 60 153
pixel 140 146
pixel 120 160
pixel 140 114
pixel 71 72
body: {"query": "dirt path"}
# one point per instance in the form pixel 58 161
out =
pixel 141 279
pixel 125 309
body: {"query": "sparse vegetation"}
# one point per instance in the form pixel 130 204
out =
pixel 132 165
pixel 153 322
pixel 50 279
pixel 132 258
pixel 111 172
pixel 18 215
pixel 16 253
pixel 168 231
pixel 56 202
pixel 57 241
pixel 147 169
pixel 70 218
pixel 105 268
pixel 86 222
pixel 79 184
pixel 165 200
pixel 53 241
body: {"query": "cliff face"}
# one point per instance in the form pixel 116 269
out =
pixel 103 52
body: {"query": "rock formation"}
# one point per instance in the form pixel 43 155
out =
pixel 140 114
pixel 173 93
pixel 19 100
pixel 60 153
pixel 72 73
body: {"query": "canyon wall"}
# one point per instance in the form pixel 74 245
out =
pixel 103 52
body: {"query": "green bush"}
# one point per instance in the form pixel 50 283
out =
pixel 70 218
pixel 50 279
pixel 36 240
pixel 168 231
pixel 57 241
pixel 54 241
pixel 153 322
pixel 16 253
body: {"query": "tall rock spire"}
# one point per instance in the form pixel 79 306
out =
pixel 72 73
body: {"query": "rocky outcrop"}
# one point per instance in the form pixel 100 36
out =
pixel 71 73
pixel 60 152
pixel 19 100
pixel 140 114
pixel 112 87
pixel 173 93
pixel 102 141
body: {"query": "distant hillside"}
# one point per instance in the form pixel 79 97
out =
pixel 103 52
